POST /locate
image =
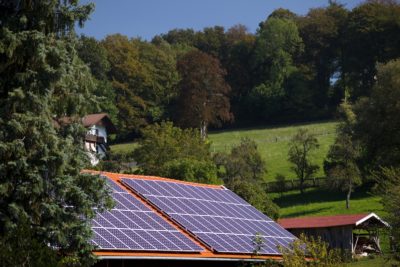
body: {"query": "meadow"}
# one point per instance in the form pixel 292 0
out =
pixel 273 144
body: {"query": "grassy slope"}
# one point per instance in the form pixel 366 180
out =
pixel 316 202
pixel 273 144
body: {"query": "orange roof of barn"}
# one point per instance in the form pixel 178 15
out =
pixel 329 221
pixel 207 254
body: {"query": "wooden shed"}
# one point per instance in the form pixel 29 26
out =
pixel 358 233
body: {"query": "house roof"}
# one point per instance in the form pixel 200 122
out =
pixel 126 184
pixel 355 220
pixel 99 119
pixel 88 121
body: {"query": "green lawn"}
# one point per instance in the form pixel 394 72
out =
pixel 273 144
pixel 316 202
pixel 124 147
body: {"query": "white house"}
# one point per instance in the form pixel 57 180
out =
pixel 99 126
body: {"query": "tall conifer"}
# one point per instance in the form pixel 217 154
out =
pixel 42 189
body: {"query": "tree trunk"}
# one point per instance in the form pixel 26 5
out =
pixel 203 130
pixel 302 186
pixel 348 197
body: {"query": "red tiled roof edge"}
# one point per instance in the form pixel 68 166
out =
pixel 321 221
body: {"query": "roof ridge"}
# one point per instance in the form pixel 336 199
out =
pixel 118 176
pixel 325 216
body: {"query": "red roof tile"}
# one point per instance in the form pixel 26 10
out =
pixel 322 221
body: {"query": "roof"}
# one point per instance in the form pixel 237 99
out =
pixel 99 118
pixel 355 220
pixel 164 206
pixel 88 121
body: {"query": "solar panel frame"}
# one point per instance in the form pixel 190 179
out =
pixel 216 216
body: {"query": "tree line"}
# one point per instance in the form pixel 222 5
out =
pixel 294 68
pixel 283 72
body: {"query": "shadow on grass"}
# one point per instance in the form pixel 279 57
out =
pixel 317 195
pixel 305 212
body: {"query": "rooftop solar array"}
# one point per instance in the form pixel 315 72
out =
pixel 131 225
pixel 216 216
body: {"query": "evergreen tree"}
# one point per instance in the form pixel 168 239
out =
pixel 42 79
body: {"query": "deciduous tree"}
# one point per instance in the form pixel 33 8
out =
pixel 301 147
pixel 242 171
pixel 203 93
pixel 95 56
pixel 371 36
pixel 277 42
pixel 170 151
pixel 341 163
pixel 378 120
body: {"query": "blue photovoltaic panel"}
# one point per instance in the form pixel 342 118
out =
pixel 131 225
pixel 217 216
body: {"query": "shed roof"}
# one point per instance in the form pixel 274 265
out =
pixel 332 221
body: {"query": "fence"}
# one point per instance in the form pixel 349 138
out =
pixel 288 185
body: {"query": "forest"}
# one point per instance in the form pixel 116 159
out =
pixel 295 68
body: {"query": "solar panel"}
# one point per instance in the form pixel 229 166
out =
pixel 131 225
pixel 217 216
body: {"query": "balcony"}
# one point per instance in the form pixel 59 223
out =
pixel 95 139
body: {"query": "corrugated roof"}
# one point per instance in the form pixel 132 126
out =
pixel 206 254
pixel 328 221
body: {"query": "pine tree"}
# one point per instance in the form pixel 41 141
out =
pixel 42 189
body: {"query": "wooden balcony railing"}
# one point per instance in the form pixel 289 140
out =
pixel 94 139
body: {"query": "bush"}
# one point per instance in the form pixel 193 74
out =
pixel 308 251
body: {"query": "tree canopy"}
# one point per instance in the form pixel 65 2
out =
pixel 170 151
pixel 242 171
pixel 203 93
pixel 42 189
pixel 301 147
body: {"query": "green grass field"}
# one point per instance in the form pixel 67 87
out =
pixel 317 202
pixel 124 147
pixel 273 144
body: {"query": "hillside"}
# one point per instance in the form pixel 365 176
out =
pixel 273 144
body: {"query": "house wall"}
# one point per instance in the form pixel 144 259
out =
pixel 100 129
pixel 95 151
pixel 337 237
